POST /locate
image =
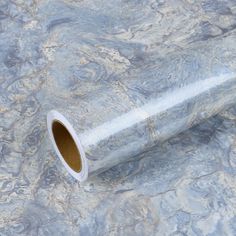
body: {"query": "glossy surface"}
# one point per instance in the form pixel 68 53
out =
pixel 57 51
pixel 147 105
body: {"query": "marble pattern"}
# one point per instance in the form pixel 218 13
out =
pixel 57 51
pixel 145 106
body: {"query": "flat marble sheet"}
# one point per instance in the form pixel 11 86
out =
pixel 52 51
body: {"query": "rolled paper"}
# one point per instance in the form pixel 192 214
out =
pixel 130 113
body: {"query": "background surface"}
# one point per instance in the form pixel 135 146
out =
pixel 57 51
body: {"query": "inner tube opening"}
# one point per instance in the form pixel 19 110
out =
pixel 66 146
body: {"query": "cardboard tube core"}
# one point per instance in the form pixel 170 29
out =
pixel 66 146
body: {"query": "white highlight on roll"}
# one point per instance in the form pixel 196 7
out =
pixel 137 115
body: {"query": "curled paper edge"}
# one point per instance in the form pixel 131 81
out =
pixel 53 116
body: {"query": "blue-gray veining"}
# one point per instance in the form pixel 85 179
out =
pixel 146 106
pixel 52 51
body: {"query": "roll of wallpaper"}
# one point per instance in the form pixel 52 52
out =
pixel 130 113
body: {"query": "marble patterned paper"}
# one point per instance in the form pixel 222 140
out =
pixel 54 51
